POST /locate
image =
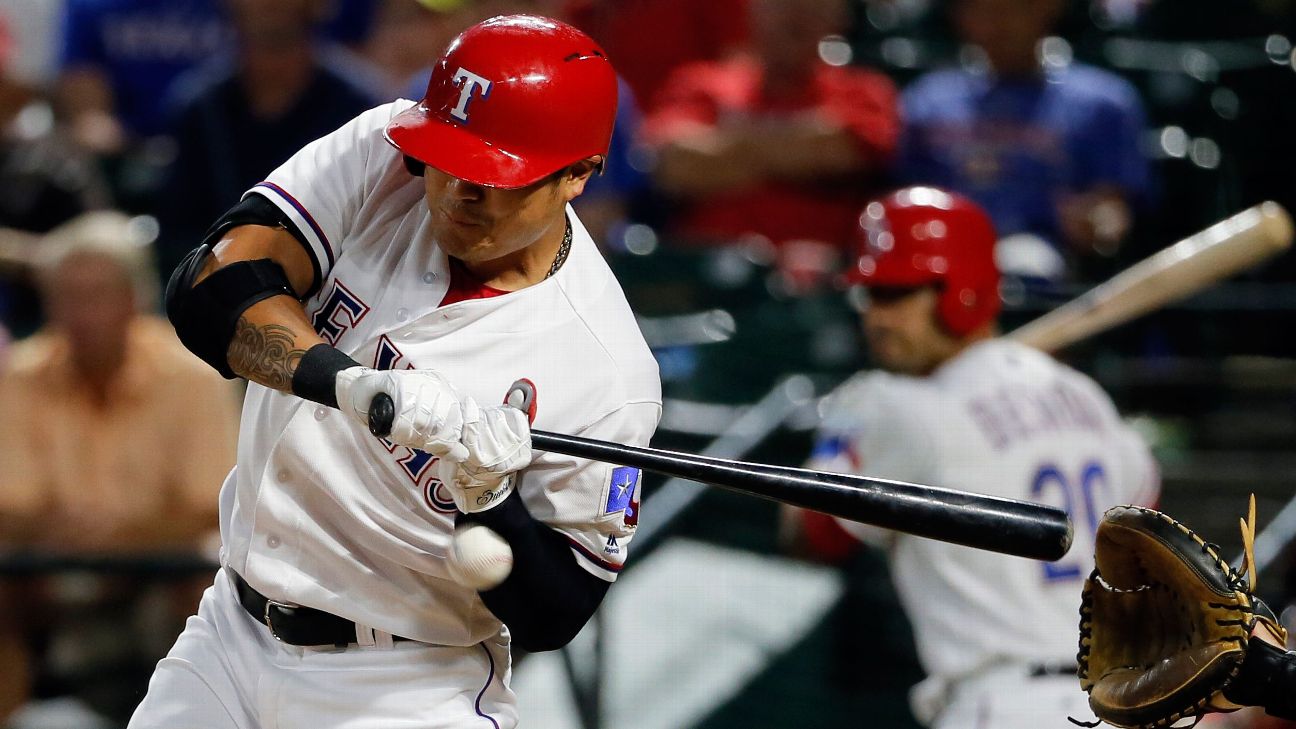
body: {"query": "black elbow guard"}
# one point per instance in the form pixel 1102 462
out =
pixel 204 316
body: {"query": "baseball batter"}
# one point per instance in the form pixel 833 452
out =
pixel 954 406
pixel 426 251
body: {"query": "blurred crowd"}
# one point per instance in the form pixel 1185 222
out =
pixel 760 122
pixel 128 126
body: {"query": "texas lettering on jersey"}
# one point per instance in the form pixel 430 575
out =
pixel 341 311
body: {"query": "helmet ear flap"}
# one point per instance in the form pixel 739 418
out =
pixel 957 313
pixel 962 308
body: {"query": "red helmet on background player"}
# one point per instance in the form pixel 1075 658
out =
pixel 514 99
pixel 924 235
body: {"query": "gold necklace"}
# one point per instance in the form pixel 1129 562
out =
pixel 563 249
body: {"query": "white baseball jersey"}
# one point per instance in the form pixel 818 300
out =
pixel 1000 419
pixel 319 512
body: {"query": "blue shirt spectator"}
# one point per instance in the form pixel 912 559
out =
pixel 1019 145
pixel 138 47
pixel 1049 147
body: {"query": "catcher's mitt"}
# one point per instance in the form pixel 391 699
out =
pixel 1165 624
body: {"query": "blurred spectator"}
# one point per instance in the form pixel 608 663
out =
pixel 605 205
pixel 120 57
pixel 46 180
pixel 34 39
pixel 1049 147
pixel 351 22
pixel 777 142
pixel 409 35
pixel 648 39
pixel 113 434
pixel 239 120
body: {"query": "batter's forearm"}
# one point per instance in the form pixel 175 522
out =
pixel 269 342
pixel 265 354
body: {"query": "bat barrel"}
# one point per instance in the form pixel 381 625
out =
pixel 1235 244
pixel 1017 528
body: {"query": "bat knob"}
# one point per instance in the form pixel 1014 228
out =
pixel 382 413
pixel 522 395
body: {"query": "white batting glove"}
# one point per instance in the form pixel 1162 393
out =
pixel 429 416
pixel 498 443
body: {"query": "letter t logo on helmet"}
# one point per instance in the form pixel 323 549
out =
pixel 552 103
pixel 467 81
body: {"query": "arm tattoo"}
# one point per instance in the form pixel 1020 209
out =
pixel 265 354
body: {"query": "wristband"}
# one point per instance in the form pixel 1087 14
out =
pixel 317 371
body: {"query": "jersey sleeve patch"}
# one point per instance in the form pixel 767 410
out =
pixel 320 247
pixel 623 493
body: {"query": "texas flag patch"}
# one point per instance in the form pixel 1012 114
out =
pixel 623 494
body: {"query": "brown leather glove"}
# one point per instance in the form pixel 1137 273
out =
pixel 1165 623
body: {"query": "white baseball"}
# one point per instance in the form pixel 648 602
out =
pixel 479 558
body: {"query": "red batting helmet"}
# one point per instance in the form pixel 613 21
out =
pixel 514 98
pixel 923 235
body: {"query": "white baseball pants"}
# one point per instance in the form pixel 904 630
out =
pixel 1007 698
pixel 227 672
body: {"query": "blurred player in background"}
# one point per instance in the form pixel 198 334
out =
pixel 956 407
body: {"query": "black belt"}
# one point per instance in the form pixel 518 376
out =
pixel 1040 670
pixel 294 624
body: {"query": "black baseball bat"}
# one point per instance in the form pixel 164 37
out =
pixel 1019 528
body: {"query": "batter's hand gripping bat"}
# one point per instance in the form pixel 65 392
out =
pixel 986 522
